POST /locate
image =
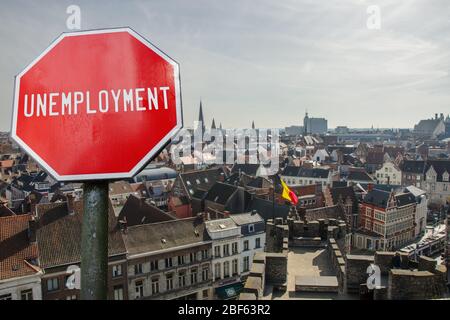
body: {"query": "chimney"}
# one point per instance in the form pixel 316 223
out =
pixel 33 202
pixel 70 201
pixel 435 116
pixel 123 224
pixel 442 116
pixel 32 230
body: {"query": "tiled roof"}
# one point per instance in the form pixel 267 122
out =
pixel 246 218
pixel 165 235
pixel 359 176
pixel 120 187
pixel 412 166
pixel 377 198
pixel 15 247
pixel 331 212
pixel 137 211
pixel 59 234
pixel 220 192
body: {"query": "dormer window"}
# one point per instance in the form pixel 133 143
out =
pixel 445 176
pixel 251 228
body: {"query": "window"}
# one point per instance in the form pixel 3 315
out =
pixel 117 270
pixel 217 274
pixel 192 257
pixel 26 294
pixel 257 243
pixel 205 273
pixel 169 281
pixel 235 267
pixel 217 251
pixel 251 228
pixel 138 268
pixel 118 293
pixel 180 260
pixel 154 265
pixel 6 296
pixel 205 294
pixel 205 254
pixel 155 285
pixel 226 250
pixel 193 276
pixel 246 263
pixel 139 289
pixel 168 262
pixel 234 247
pixel 226 269
pixel 182 279
pixel 245 245
pixel 52 284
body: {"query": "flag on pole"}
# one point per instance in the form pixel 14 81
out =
pixel 286 193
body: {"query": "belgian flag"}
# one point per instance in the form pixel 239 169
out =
pixel 286 193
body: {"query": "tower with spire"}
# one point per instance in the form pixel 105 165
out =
pixel 213 124
pixel 200 116
pixel 253 124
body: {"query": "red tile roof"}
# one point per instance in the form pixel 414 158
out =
pixel 15 248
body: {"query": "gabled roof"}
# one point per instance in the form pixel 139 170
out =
pixel 18 257
pixel 136 211
pixel 59 234
pixel 220 192
pixel 120 187
pixel 165 235
pixel 440 166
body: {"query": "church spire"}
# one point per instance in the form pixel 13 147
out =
pixel 213 124
pixel 200 116
pixel 253 124
pixel 220 126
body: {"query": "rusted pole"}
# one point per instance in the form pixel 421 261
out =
pixel 94 241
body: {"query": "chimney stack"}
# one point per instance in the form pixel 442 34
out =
pixel 32 230
pixel 435 116
pixel 70 202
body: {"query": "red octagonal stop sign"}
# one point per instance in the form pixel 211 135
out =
pixel 97 105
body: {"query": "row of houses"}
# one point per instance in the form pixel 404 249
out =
pixel 190 258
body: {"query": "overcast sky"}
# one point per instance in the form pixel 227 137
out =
pixel 267 60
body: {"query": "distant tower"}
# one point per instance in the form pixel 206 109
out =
pixel 220 126
pixel 200 116
pixel 253 124
pixel 213 124
pixel 305 122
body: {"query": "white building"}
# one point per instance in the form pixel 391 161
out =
pixel 437 181
pixel 226 259
pixel 301 176
pixel 421 209
pixel 253 237
pixel 21 288
pixel 389 173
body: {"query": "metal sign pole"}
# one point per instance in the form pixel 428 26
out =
pixel 94 241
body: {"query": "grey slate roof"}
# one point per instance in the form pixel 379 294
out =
pixel 165 235
pixel 246 218
pixel 292 171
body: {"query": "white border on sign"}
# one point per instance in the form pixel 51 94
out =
pixel 101 176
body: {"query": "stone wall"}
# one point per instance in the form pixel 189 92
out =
pixel 355 271
pixel 276 269
pixel 337 262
